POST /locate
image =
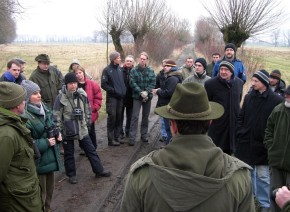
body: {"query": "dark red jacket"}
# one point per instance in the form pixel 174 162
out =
pixel 94 93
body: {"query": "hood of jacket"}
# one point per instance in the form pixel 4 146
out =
pixel 194 182
pixel 9 118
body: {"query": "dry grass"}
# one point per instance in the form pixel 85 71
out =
pixel 91 56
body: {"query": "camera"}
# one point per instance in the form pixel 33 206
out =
pixel 52 132
pixel 273 194
pixel 77 113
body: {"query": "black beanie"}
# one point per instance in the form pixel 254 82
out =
pixel 262 76
pixel 70 77
pixel 231 45
pixel 202 61
pixel 275 74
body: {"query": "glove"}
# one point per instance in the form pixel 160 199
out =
pixel 145 99
pixel 144 94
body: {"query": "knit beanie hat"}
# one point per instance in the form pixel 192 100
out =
pixel 231 46
pixel 170 63
pixel 275 74
pixel 70 77
pixel 11 95
pixel 202 61
pixel 30 88
pixel 229 65
pixel 262 76
pixel 114 55
pixel 75 61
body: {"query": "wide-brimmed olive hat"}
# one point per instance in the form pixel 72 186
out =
pixel 42 58
pixel 190 102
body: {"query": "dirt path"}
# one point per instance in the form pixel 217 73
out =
pixel 103 194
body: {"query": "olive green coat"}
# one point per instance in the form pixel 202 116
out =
pixel 19 185
pixel 189 174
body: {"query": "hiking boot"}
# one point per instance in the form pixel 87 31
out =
pixel 104 174
pixel 73 180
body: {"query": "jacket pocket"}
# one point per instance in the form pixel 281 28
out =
pixel 71 128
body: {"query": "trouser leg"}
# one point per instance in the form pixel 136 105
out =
pixel 128 119
pixel 111 119
pixel 69 159
pixel 146 106
pixel 263 185
pixel 92 134
pixel 118 122
pixel 167 128
pixel 42 183
pixel 122 120
pixel 134 120
pixel 92 155
pixel 50 180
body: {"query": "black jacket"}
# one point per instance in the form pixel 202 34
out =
pixel 228 94
pixel 113 82
pixel 251 126
pixel 128 99
pixel 166 90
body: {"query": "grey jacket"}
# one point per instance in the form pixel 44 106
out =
pixel 72 126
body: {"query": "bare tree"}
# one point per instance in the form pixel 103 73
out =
pixel 208 38
pixel 287 37
pixel 145 16
pixel 275 35
pixel 8 8
pixel 240 19
pixel 113 19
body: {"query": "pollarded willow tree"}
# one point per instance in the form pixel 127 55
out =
pixel 113 19
pixel 145 16
pixel 240 19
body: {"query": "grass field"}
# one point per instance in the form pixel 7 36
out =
pixel 276 58
pixel 91 56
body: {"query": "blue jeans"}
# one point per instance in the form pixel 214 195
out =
pixel 163 130
pixel 260 176
pixel 167 128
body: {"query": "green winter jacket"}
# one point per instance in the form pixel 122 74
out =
pixel 63 114
pixel 142 79
pixel 50 83
pixel 277 137
pixel 50 159
pixel 189 174
pixel 19 185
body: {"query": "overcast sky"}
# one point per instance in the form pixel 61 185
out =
pixel 78 17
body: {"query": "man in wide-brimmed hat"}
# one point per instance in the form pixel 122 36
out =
pixel 190 173
pixel 48 78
